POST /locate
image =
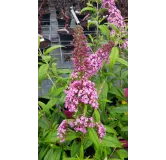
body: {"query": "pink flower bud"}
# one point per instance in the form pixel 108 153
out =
pixel 68 113
pixel 126 92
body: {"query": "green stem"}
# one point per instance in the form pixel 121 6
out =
pixel 97 20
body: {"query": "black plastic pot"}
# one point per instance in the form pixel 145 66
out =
pixel 46 19
pixel 80 16
pixel 66 38
pixel 62 22
pixel 45 44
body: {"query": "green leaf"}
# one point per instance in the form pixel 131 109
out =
pixel 102 10
pixel 105 31
pixel 57 154
pixel 97 115
pixel 98 154
pixel 91 23
pixel 125 129
pixel 51 103
pixel 90 37
pixel 87 143
pixel 43 123
pixel 70 159
pixel 98 84
pixel 124 74
pixel 90 44
pixel 113 56
pixel 122 153
pixel 64 155
pixel 51 138
pixel 110 130
pixel 119 109
pixel 64 71
pixel 114 27
pixel 41 104
pixel 115 91
pixel 103 92
pixel 125 118
pixel 93 137
pixel 43 152
pixel 56 91
pixel 54 69
pixel 72 135
pixel 49 153
pixel 42 73
pixel 46 59
pixel 89 9
pixel 122 61
pixel 75 148
pixel 52 48
pixel 109 141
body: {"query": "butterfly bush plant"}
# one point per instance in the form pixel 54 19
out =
pixel 89 119
pixel 82 101
pixel 81 95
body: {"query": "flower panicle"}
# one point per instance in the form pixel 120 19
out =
pixel 115 18
pixel 81 124
pixel 81 91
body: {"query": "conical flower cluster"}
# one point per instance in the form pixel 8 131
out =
pixel 81 90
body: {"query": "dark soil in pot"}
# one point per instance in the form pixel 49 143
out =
pixel 62 22
pixel 46 19
pixel 66 38
pixel 81 16
pixel 57 13
pixel 46 16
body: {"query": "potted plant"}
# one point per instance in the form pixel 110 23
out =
pixel 66 37
pixel 78 6
pixel 45 44
pixel 43 15
pixel 63 12
pixel 63 18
